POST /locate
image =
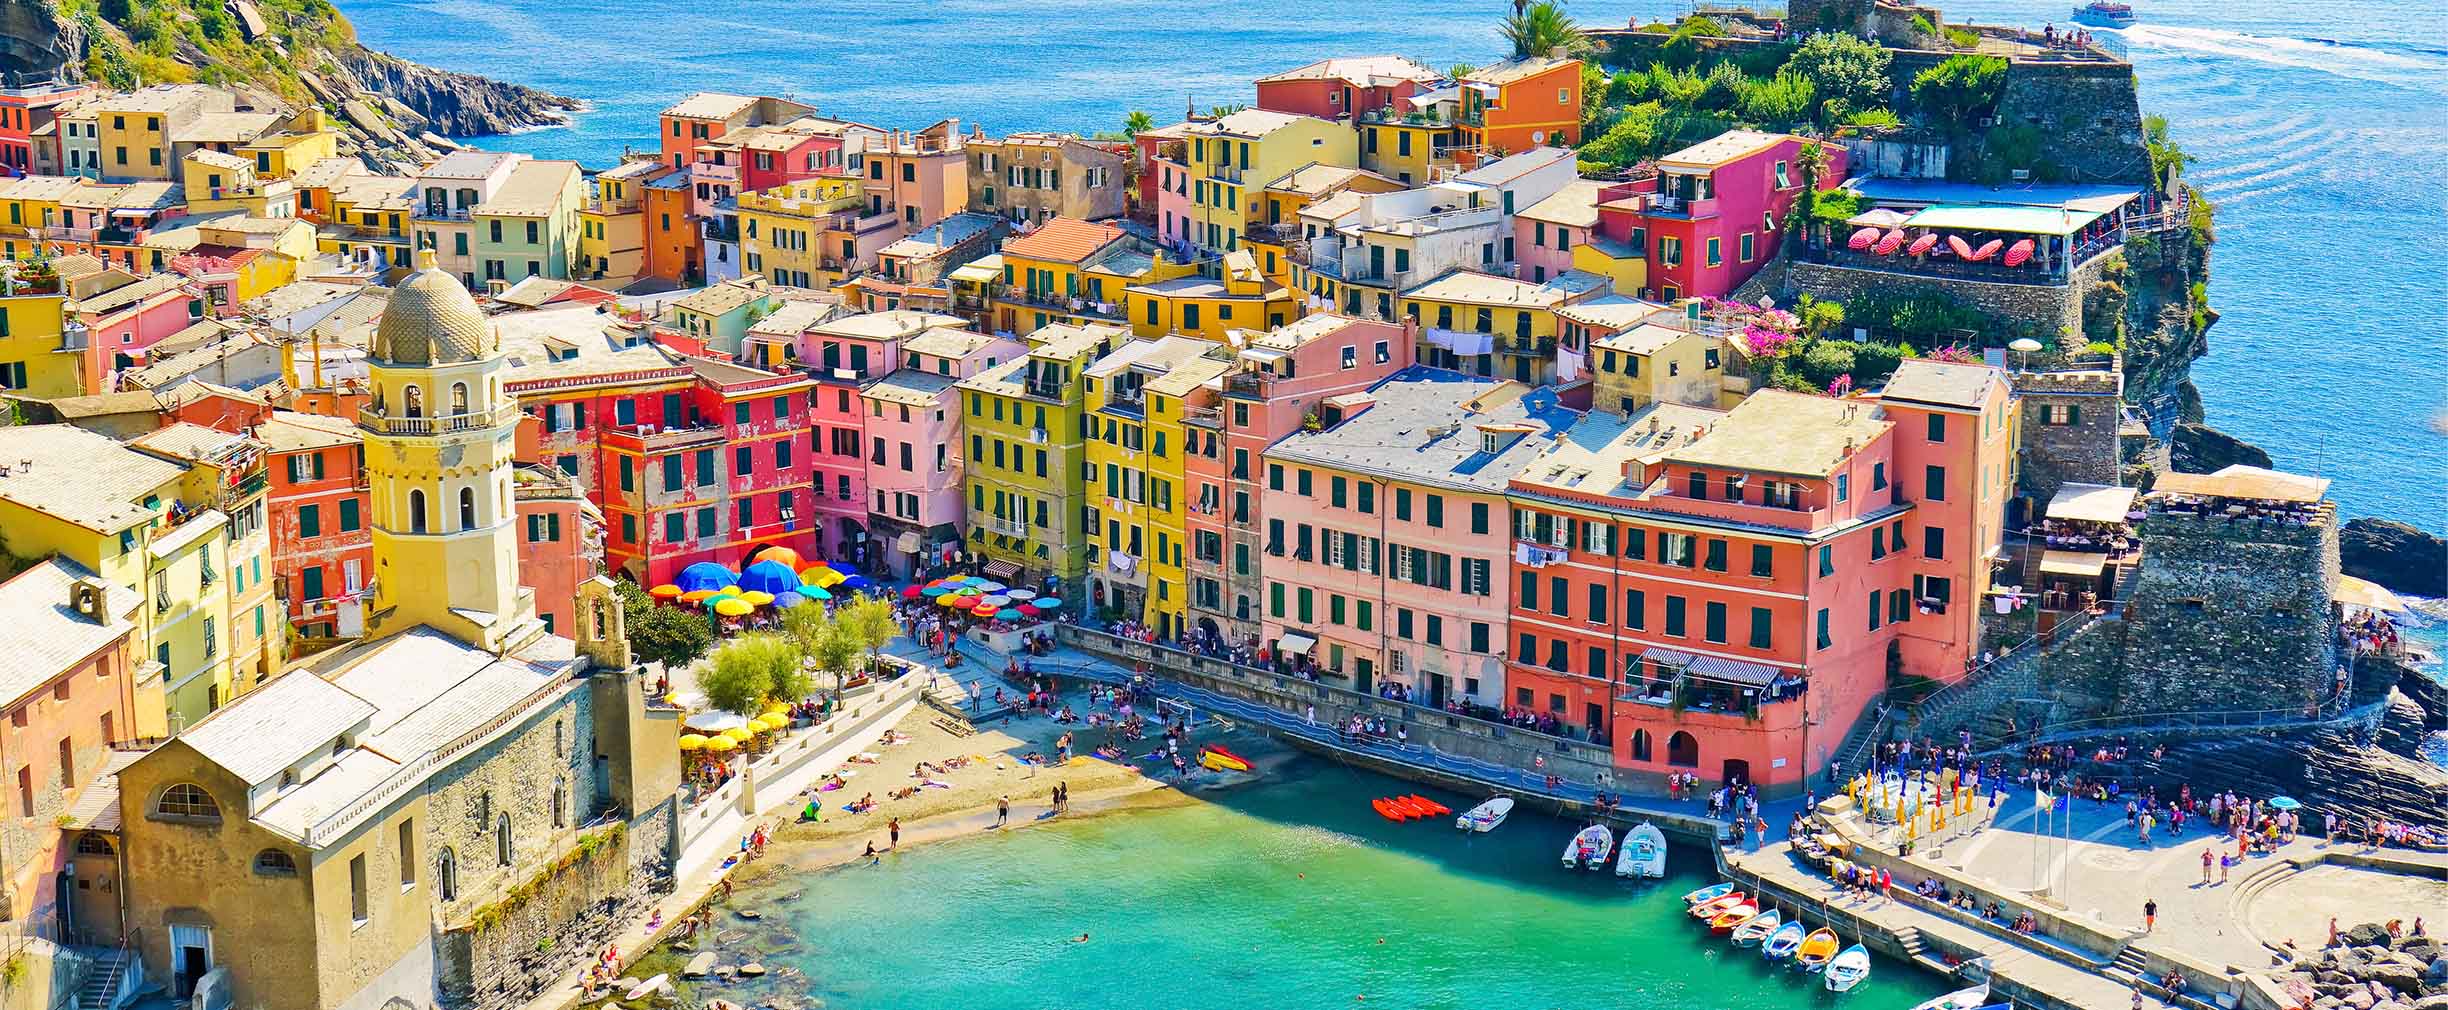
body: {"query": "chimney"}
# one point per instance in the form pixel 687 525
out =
pixel 85 597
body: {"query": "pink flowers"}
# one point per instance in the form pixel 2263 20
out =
pixel 1841 385
pixel 1955 354
pixel 1764 342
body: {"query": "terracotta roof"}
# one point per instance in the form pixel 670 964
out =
pixel 1063 240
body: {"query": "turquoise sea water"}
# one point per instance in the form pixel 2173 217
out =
pixel 1291 894
pixel 2318 127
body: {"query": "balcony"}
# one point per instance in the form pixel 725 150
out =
pixel 722 229
pixel 1685 207
pixel 1248 384
pixel 430 212
pixel 649 438
pixel 1668 496
pixel 1007 527
pixel 1067 304
pixel 1204 417
pixel 439 425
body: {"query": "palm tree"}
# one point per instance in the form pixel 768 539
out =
pixel 1136 123
pixel 1541 27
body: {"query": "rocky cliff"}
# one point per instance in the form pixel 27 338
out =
pixel 2395 555
pixel 290 52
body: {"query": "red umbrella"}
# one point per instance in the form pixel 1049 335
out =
pixel 1031 610
pixel 1890 242
pixel 1862 238
pixel 1961 248
pixel 911 593
pixel 1987 249
pixel 2019 253
pixel 1921 246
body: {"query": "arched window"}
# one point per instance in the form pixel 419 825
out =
pixel 459 403
pixel 501 838
pixel 187 800
pixel 446 870
pixel 93 843
pixel 1683 750
pixel 275 863
pixel 415 398
pixel 467 508
pixel 1641 745
pixel 560 804
pixel 416 511
pixel 560 737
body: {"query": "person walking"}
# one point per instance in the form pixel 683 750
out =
pixel 2150 915
pixel 2208 855
pixel 1002 811
pixel 894 826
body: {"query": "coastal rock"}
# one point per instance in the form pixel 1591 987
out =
pixel 751 970
pixel 454 104
pixel 2369 934
pixel 2359 998
pixel 2395 555
pixel 2200 448
pixel 2439 1002
pixel 2395 975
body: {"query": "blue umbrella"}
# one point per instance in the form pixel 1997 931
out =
pixel 932 592
pixel 705 575
pixel 2284 803
pixel 789 600
pixel 1008 614
pixel 814 592
pixel 857 582
pixel 844 567
pixel 1047 603
pixel 770 577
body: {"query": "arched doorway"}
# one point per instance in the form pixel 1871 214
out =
pixel 1683 750
pixel 1207 627
pixel 1737 771
pixel 1642 745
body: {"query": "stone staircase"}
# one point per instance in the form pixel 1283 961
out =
pixel 2129 967
pixel 101 986
pixel 1909 937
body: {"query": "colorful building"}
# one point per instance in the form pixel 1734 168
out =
pixel 139 128
pixel 123 317
pixel 913 424
pixel 1346 87
pixel 1232 161
pixel 528 226
pixel 1137 490
pixel 811 234
pixel 31 109
pixel 560 542
pixel 1715 214
pixel 1519 104
pixel 39 357
pixel 1033 178
pixel 1489 325
pixel 322 546
pixel 1026 449
pixel 919 177
pixel 1640 353
pixel 1385 542
pixel 1239 297
pixel 612 225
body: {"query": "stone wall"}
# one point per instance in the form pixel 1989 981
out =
pixel 2089 114
pixel 2230 614
pixel 2049 308
pixel 2084 451
pixel 536 932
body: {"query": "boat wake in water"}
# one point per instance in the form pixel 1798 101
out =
pixel 2413 70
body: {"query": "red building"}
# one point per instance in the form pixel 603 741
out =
pixel 25 109
pixel 1346 86
pixel 1716 212
pixel 560 541
pixel 322 549
pixel 1725 593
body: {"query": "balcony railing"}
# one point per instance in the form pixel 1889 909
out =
pixel 438 425
pixel 1670 497
pixel 1250 384
pixel 1071 304
pixel 433 213
pixel 651 438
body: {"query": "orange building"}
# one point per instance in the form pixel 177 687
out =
pixel 322 547
pixel 673 251
pixel 560 541
pixel 1513 106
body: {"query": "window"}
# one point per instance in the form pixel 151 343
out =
pixel 1479 515
pixel 1933 483
pixel 1933 542
pixel 1937 427
pixel 1713 622
pixel 1716 559
pixel 187 800
pixel 1827 561
pixel 1636 609
pixel 502 849
pixel 275 863
pixel 1761 623
pixel 357 889
pixel 1822 635
pixel 1675 617
pixel 1763 561
pixel 349 520
pixel 310 521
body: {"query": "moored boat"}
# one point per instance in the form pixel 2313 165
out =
pixel 1220 760
pixel 1758 927
pixel 1589 847
pixel 2105 14
pixel 1644 853
pixel 1707 894
pixel 1817 949
pixel 1707 910
pixel 1426 807
pixel 1782 943
pixel 1848 969
pixel 1960 999
pixel 1387 809
pixel 1724 922
pixel 1485 817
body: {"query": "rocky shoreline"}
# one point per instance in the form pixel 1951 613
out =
pixel 2370 970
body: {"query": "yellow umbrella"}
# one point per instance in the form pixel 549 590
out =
pixel 664 592
pixel 822 577
pixel 766 723
pixel 691 741
pixel 778 708
pixel 721 743
pixel 697 596
pixel 733 607
pixel 756 597
pixel 785 555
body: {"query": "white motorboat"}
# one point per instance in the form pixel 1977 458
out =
pixel 1961 999
pixel 1589 848
pixel 2105 14
pixel 1485 817
pixel 1787 939
pixel 1644 853
pixel 1848 969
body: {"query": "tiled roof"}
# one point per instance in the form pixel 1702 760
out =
pixel 1424 427
pixel 1063 240
pixel 1783 432
pixel 255 740
pixel 1473 288
pixel 1253 123
pixel 47 637
pixel 1941 383
pixel 1575 205
pixel 719 299
pixel 917 389
pixel 291 431
pixel 183 440
pixel 1591 455
pixel 1361 70
pixel 534 189
pixel 1513 70
pixel 80 476
pixel 1729 146
pixel 710 105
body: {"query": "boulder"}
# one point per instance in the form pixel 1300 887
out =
pixel 2200 448
pixel 2369 934
pixel 2396 975
pixel 2439 1002
pixel 2358 997
pixel 699 966
pixel 2395 555
pixel 751 970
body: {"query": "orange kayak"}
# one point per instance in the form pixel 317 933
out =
pixel 1390 810
pixel 1430 807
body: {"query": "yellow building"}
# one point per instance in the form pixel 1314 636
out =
pixel 1136 491
pixel 35 360
pixel 140 130
pixel 1410 151
pixel 443 806
pixel 1241 298
pixel 1642 353
pixel 1075 272
pixel 1023 436
pixel 235 260
pixel 783 230
pixel 368 224
pixel 170 530
pixel 1233 159
pixel 612 224
pixel 31 216
pixel 305 139
pixel 1489 325
pixel 1278 240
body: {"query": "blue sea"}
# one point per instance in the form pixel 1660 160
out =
pixel 2319 129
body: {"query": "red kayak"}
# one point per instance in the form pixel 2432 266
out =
pixel 1391 810
pixel 1433 808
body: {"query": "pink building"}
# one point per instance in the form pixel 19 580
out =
pixel 1545 233
pixel 124 316
pixel 1386 532
pixel 1283 376
pixel 560 542
pixel 913 434
pixel 919 177
pixel 1173 199
pixel 1715 213
pixel 1346 86
pixel 1148 147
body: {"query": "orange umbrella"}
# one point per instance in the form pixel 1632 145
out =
pixel 697 595
pixel 778 553
pixel 665 591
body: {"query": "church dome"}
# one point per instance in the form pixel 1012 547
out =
pixel 431 320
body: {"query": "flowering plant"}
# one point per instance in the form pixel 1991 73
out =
pixel 1841 385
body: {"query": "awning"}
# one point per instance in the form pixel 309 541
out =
pixel 2092 503
pixel 908 543
pixel 2013 220
pixel 2250 483
pixel 1732 671
pixel 2075 563
pixel 1001 570
pixel 1294 643
pixel 2356 592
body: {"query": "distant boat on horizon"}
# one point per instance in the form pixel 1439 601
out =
pixel 2105 14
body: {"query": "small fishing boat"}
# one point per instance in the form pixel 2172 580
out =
pixel 1589 848
pixel 1849 968
pixel 1707 894
pixel 1389 810
pixel 1644 853
pixel 2105 14
pixel 1724 922
pixel 1485 817
pixel 1817 949
pixel 1757 928
pixel 1707 910
pixel 1782 943
pixel 642 990
pixel 1960 999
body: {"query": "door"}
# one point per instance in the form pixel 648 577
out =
pixel 1364 676
pixel 1737 772
pixel 190 957
pixel 1593 718
pixel 351 576
pixel 1438 685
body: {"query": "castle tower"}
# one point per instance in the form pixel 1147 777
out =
pixel 438 441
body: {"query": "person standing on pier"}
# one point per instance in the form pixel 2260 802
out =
pixel 2150 915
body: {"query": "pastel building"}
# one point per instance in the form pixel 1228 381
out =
pixel 914 467
pixel 322 545
pixel 1135 492
pixel 1026 456
pixel 446 196
pixel 1546 232
pixel 1346 87
pixel 560 540
pixel 1716 212
pixel 1032 178
pixel 1233 159
pixel 123 316
pixel 843 356
pixel 1386 540
pixel 529 226
pixel 919 177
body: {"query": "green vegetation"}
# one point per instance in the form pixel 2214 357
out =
pixel 1849 72
pixel 133 43
pixel 750 669
pixel 590 845
pixel 1541 27
pixel 671 636
pixel 2168 161
pixel 1692 93
pixel 1136 122
pixel 1963 88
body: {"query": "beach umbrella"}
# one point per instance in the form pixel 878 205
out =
pixel 1890 242
pixel 992 586
pixel 844 567
pixel 770 577
pixel 765 724
pixel 2019 253
pixel 1961 248
pixel 1009 614
pixel 697 595
pixel 1988 249
pixel 740 733
pixel 1021 594
pixel 2284 803
pixel 713 722
pixel 1030 609
pixel 934 592
pixel 705 575
pixel 856 583
pixel 983 610
pixel 758 597
pixel 732 606
pixel 822 576
pixel 721 744
pixel 1921 246
pixel 1048 603
pixel 998 601
pixel 911 592
pixel 784 556
pixel 692 741
pixel 1863 238
pixel 814 593
pixel 949 602
pixel 789 600
pixel 665 591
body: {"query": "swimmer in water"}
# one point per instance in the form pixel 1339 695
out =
pixel 1082 938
